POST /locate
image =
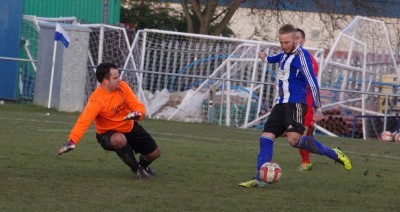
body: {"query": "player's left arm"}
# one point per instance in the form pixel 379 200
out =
pixel 307 70
pixel 138 110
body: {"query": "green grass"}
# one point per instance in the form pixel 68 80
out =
pixel 199 170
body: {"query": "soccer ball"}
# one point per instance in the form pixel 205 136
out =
pixel 387 136
pixel 396 137
pixel 270 172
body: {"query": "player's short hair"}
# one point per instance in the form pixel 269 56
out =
pixel 103 71
pixel 287 28
pixel 303 34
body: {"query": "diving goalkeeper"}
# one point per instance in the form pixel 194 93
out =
pixel 116 112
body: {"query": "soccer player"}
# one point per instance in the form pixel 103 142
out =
pixel 116 111
pixel 306 165
pixel 287 115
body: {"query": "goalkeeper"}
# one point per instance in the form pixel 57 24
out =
pixel 116 111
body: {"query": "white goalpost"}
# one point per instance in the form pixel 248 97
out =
pixel 107 43
pixel 185 66
pixel 178 70
pixel 351 67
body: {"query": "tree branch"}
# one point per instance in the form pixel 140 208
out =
pixel 207 15
pixel 188 16
pixel 219 28
pixel 196 8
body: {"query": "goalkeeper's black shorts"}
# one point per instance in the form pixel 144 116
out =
pixel 140 140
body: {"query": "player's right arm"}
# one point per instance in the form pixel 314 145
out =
pixel 262 56
pixel 276 58
pixel 85 119
pixel 81 125
pixel 270 59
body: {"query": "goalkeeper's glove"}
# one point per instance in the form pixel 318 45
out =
pixel 133 116
pixel 70 145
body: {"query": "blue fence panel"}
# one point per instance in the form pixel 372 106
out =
pixel 10 28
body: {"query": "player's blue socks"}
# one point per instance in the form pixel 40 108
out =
pixel 266 151
pixel 265 154
pixel 310 144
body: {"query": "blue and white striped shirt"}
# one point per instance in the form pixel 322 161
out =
pixel 294 73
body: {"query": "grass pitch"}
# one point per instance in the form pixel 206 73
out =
pixel 199 170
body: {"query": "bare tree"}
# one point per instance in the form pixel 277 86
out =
pixel 334 15
pixel 394 24
pixel 203 17
pixel 213 16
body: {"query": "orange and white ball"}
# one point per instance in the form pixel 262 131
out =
pixel 387 136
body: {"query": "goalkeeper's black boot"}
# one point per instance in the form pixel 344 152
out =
pixel 150 171
pixel 142 174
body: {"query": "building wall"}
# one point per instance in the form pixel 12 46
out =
pixel 244 26
pixel 317 36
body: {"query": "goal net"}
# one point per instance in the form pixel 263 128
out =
pixel 376 125
pixel 359 67
pixel 107 43
pixel 201 78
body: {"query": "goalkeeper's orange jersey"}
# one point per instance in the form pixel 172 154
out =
pixel 108 109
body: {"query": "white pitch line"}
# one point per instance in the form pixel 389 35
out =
pixel 282 144
pixel 183 135
pixel 374 155
pixel 35 120
pixel 61 130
